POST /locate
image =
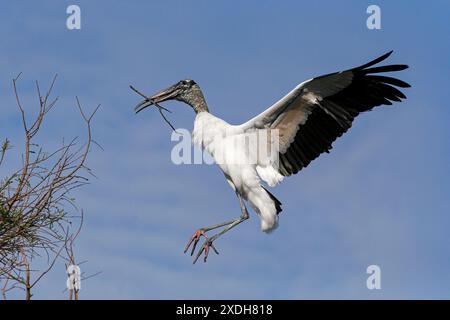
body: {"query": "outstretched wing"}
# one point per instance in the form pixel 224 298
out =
pixel 318 111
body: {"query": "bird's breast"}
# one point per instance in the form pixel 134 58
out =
pixel 209 131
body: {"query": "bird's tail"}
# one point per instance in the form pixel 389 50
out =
pixel 275 200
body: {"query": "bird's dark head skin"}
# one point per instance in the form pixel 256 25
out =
pixel 186 91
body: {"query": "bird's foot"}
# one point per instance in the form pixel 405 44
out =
pixel 208 243
pixel 195 239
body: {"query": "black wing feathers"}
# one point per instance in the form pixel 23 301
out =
pixel 333 115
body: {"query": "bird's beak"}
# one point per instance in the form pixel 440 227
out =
pixel 161 96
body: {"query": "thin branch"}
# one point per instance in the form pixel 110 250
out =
pixel 34 221
pixel 153 102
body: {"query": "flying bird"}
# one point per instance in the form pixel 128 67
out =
pixel 295 131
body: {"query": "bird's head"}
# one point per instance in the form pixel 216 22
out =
pixel 187 91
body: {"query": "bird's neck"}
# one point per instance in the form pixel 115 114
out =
pixel 197 100
pixel 200 107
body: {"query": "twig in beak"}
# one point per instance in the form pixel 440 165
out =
pixel 164 117
pixel 160 108
pixel 148 99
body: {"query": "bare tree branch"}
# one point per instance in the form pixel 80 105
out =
pixel 33 200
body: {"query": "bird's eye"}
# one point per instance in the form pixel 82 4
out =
pixel 187 83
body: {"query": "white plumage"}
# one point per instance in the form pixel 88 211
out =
pixel 244 171
pixel 284 138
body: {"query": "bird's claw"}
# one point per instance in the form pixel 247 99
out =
pixel 205 246
pixel 195 239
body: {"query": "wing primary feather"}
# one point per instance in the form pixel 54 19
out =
pixel 389 80
pixel 375 61
pixel 390 68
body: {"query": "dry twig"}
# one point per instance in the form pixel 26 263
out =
pixel 153 102
pixel 33 199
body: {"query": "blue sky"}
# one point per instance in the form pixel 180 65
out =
pixel 380 197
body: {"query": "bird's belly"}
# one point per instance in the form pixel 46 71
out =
pixel 231 155
pixel 242 174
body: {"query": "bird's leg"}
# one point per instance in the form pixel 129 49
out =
pixel 209 241
pixel 202 232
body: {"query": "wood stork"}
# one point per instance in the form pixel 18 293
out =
pixel 306 122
